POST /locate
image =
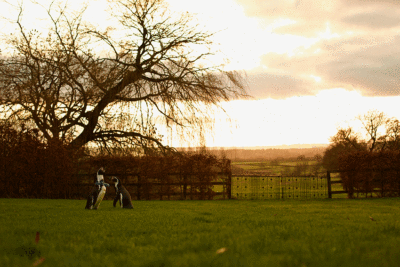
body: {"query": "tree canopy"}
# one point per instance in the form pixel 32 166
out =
pixel 380 133
pixel 80 83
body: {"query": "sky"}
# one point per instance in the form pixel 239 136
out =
pixel 311 66
pixel 300 47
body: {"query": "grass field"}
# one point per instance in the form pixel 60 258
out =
pixel 336 232
pixel 275 167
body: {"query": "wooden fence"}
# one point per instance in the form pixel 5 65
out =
pixel 177 187
pixel 332 182
pixel 225 186
pixel 369 182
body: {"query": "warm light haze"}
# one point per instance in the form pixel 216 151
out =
pixel 311 66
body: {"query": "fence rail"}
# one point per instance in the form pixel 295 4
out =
pixel 225 186
pixel 383 182
pixel 177 186
pixel 330 183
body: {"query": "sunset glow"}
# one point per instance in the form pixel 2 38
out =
pixel 294 120
pixel 312 66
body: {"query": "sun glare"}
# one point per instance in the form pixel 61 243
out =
pixel 316 78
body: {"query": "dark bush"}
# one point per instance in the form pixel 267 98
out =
pixel 31 168
pixel 367 172
pixel 175 176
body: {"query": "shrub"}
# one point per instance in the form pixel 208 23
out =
pixel 31 168
pixel 152 177
pixel 366 172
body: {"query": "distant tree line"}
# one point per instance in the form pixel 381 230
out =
pixel 244 154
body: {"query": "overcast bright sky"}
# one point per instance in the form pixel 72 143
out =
pixel 299 47
pixel 312 65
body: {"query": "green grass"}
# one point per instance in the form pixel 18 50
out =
pixel 337 232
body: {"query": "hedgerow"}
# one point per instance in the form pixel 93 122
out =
pixel 367 172
pixel 32 168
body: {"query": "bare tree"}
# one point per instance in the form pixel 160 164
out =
pixel 372 121
pixel 152 67
pixel 392 137
pixel 347 140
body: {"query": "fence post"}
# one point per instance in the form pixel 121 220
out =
pixel 139 186
pixel 184 186
pixel 328 178
pixel 229 181
pixel 229 186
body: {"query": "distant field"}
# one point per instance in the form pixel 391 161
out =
pixel 274 168
pixel 338 232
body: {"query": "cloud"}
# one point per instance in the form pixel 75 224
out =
pixel 311 16
pixel 374 3
pixel 366 63
pixel 378 19
pixel 364 54
pixel 277 85
pixel 372 66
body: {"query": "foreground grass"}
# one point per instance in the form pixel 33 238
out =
pixel 335 232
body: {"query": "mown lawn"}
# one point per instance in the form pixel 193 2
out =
pixel 336 232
